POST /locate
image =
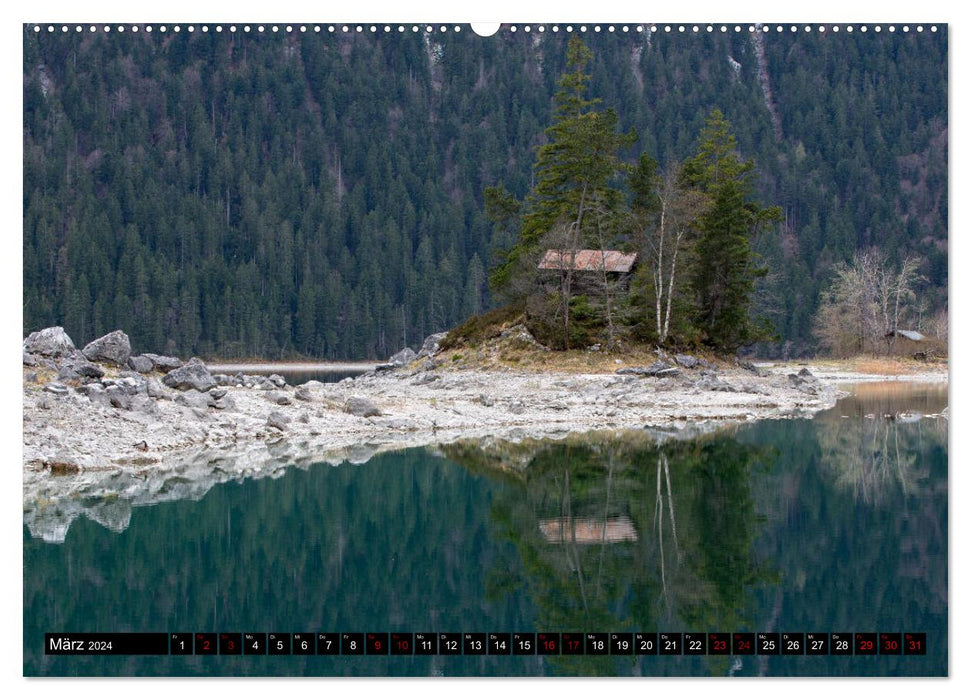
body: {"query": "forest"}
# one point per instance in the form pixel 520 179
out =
pixel 304 194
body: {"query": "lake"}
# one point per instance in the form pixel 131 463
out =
pixel 836 524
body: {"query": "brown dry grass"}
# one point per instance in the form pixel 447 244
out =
pixel 889 366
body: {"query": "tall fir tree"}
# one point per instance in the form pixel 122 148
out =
pixel 726 268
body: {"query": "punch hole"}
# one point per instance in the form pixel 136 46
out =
pixel 485 28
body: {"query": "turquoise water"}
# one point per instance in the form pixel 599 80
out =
pixel 835 524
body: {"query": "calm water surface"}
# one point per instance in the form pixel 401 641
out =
pixel 836 524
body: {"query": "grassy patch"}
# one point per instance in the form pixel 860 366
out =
pixel 480 328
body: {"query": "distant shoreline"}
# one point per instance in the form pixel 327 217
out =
pixel 295 366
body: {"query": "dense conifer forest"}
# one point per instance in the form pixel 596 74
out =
pixel 315 194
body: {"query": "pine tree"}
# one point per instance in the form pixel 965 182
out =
pixel 726 269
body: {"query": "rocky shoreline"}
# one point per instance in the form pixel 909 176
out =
pixel 101 421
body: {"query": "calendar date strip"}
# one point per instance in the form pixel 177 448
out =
pixel 487 644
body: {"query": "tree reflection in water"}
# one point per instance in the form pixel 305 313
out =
pixel 623 532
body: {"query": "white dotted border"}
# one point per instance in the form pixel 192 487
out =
pixel 428 28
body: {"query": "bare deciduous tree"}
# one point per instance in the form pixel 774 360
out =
pixel 867 303
pixel 664 239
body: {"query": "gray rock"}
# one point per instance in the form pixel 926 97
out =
pixel 312 384
pixel 303 393
pixel 304 417
pixel 163 363
pixel 218 393
pixel 144 404
pixel 486 400
pixel 749 367
pixel 710 382
pixel 428 365
pixel 49 342
pixel 191 375
pixel 31 377
pixel 398 423
pixel 193 399
pixel 278 397
pixel 223 404
pixel 403 357
pixel 385 367
pixel 686 361
pixel 806 383
pixel 657 369
pixel 96 394
pixel 130 385
pixel 432 344
pixel 154 388
pixel 277 420
pixel 141 364
pixel 113 348
pixel 277 380
pixel 224 380
pixel 361 406
pixel 56 389
pixel 804 372
pixel 266 385
pixel 43 403
pixel 426 378
pixel 118 397
pixel 79 366
pixel 29 359
pixel 517 407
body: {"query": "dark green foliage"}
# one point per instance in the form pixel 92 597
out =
pixel 316 194
pixel 476 329
pixel 725 269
